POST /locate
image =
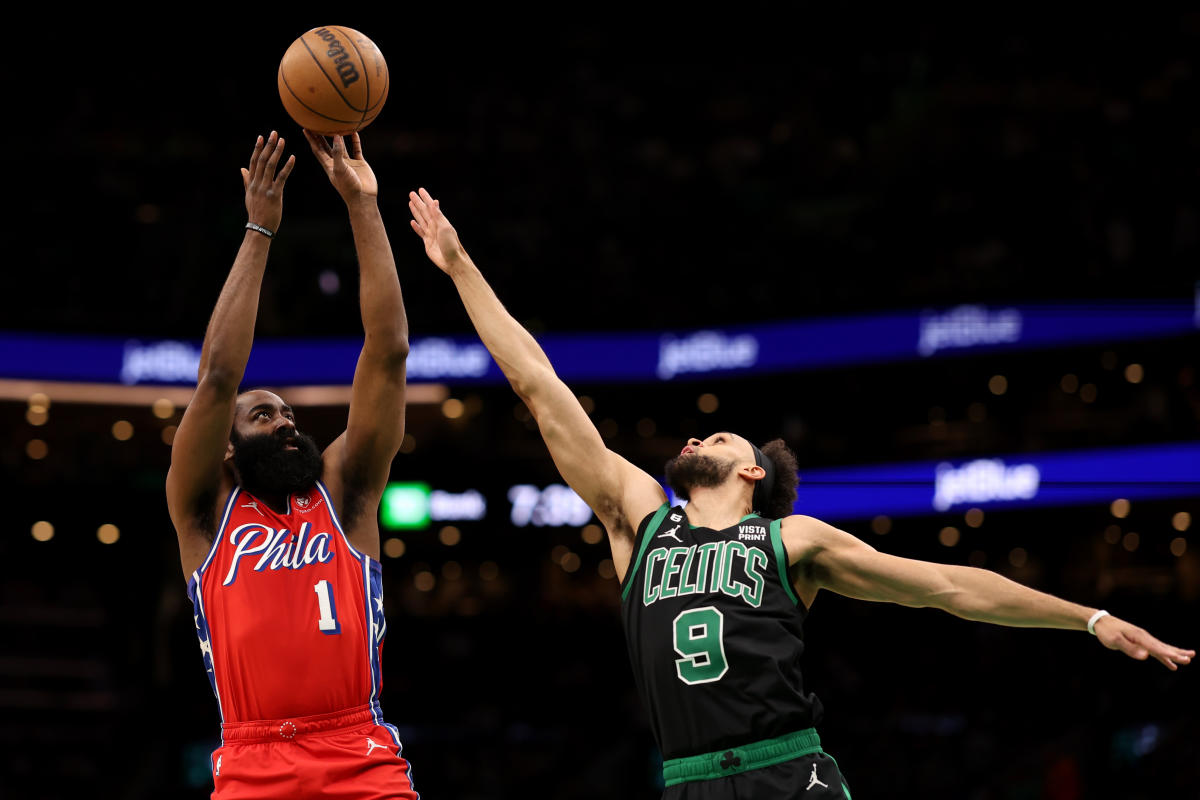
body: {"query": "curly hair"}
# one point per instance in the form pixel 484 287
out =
pixel 783 496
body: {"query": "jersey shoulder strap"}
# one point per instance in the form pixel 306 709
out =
pixel 781 558
pixel 644 535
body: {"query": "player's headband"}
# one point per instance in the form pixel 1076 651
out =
pixel 765 487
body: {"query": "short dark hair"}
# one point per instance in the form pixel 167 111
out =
pixel 783 495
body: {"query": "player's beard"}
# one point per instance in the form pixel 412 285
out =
pixel 266 468
pixel 696 471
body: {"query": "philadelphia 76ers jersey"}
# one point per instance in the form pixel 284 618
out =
pixel 289 614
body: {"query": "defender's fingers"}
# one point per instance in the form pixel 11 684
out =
pixel 418 209
pixel 355 146
pixel 426 196
pixel 1166 661
pixel 1133 648
pixel 416 226
pixel 245 178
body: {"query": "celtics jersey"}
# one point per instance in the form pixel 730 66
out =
pixel 714 633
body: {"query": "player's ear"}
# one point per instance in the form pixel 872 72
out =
pixel 229 451
pixel 752 472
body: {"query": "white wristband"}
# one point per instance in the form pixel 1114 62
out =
pixel 1095 618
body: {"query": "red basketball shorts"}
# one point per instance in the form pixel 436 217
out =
pixel 343 755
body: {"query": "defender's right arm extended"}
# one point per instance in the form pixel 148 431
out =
pixel 619 493
pixel 194 480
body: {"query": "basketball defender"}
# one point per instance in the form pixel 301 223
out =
pixel 278 540
pixel 714 595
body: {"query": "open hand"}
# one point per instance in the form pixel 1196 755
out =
pixel 264 188
pixel 1117 634
pixel 349 172
pixel 441 240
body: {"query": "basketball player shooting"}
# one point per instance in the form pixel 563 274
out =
pixel 278 540
pixel 714 595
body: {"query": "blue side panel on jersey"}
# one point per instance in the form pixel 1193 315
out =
pixel 376 628
pixel 204 636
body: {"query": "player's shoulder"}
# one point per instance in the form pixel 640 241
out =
pixel 801 525
pixel 805 536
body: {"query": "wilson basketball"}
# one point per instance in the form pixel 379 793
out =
pixel 333 80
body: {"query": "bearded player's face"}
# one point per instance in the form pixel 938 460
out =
pixel 704 463
pixel 271 456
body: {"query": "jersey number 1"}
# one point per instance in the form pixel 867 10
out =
pixel 327 622
pixel 699 638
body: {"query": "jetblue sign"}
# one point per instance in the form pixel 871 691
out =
pixel 652 356
pixel 968 326
pixel 1013 481
pixel 705 351
pixel 985 480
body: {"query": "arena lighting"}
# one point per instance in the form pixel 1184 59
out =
pixel 404 505
pixel 415 505
pixel 110 394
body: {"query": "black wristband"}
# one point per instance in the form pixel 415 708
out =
pixel 270 234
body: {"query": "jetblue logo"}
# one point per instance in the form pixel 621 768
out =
pixel 169 362
pixel 968 326
pixel 705 351
pixel 752 533
pixel 443 358
pixel 984 480
pixel 277 548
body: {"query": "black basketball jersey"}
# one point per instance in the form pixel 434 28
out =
pixel 714 633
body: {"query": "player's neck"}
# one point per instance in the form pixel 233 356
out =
pixel 274 501
pixel 717 507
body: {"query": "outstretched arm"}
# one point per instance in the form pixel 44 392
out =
pixel 358 462
pixel 198 450
pixel 619 493
pixel 833 559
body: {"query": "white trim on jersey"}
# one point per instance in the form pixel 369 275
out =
pixel 220 533
pixel 337 523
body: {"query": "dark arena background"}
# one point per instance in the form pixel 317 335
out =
pixel 953 265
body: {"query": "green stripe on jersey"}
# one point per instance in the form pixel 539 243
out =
pixel 637 562
pixel 781 558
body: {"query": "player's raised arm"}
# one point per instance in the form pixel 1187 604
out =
pixel 835 560
pixel 195 478
pixel 358 462
pixel 619 493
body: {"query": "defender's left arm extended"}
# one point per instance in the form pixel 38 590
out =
pixel 836 560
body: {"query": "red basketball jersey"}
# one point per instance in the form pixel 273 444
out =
pixel 289 614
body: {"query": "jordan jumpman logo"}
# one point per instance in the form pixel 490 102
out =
pixel 814 780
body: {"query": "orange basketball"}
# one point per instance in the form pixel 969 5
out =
pixel 333 80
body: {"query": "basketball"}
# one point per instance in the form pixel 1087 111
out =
pixel 333 80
